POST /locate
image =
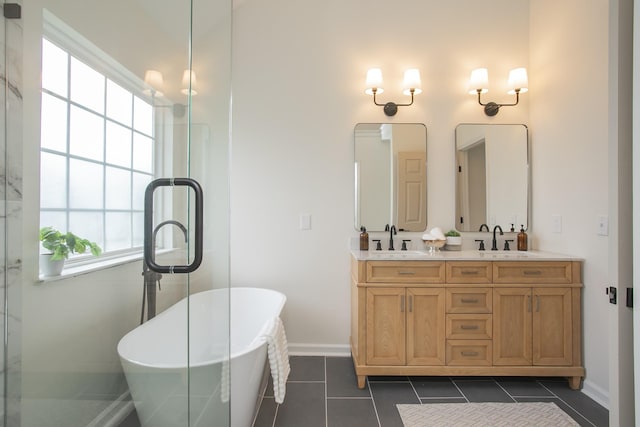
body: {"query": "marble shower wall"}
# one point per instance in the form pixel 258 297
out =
pixel 11 210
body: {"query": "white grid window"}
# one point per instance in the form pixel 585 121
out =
pixel 96 155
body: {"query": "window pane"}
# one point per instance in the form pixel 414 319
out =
pixel 119 235
pixel 119 103
pixel 53 125
pixel 85 185
pixel 87 86
pixel 53 181
pixel 87 134
pixel 138 229
pixel 140 182
pixel 118 189
pixel 118 145
pixel 55 219
pixel 142 116
pixel 142 153
pixel 55 63
pixel 87 225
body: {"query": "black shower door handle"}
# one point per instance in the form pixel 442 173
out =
pixel 149 250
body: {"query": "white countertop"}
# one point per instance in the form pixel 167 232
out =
pixel 469 255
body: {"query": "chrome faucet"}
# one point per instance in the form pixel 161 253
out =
pixel 494 242
pixel 392 231
pixel 484 226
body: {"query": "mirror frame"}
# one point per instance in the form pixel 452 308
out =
pixel 393 210
pixel 527 199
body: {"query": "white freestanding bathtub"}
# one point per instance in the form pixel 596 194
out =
pixel 170 385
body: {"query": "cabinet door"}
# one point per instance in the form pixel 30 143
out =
pixel 552 327
pixel 386 326
pixel 512 326
pixel 426 326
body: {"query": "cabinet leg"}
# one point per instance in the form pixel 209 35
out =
pixel 361 380
pixel 574 383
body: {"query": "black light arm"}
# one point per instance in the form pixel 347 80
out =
pixel 391 108
pixel 492 108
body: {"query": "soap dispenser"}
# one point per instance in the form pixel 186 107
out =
pixel 364 239
pixel 522 239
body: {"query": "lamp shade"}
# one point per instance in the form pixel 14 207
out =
pixel 189 82
pixel 374 80
pixel 479 81
pixel 412 81
pixel 153 79
pixel 518 80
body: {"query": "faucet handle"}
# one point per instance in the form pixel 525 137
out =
pixel 506 244
pixel 378 244
pixel 404 244
pixel 481 248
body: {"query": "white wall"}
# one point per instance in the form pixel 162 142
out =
pixel 570 172
pixel 299 74
pixel 298 91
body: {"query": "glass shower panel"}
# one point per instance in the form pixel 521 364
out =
pixel 107 112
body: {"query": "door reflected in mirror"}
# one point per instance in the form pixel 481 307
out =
pixel 390 176
pixel 492 176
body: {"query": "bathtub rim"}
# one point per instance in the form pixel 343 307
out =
pixel 257 341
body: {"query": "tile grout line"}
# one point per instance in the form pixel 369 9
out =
pixel 415 391
pixel 459 390
pixel 563 401
pixel 326 392
pixel 503 389
pixel 373 401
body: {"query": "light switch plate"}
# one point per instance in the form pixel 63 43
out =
pixel 305 222
pixel 603 225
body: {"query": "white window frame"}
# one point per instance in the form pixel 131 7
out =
pixel 66 38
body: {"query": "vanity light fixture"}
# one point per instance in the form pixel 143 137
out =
pixel 479 81
pixel 189 83
pixel 411 86
pixel 153 79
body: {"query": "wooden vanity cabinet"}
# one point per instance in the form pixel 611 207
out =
pixel 480 318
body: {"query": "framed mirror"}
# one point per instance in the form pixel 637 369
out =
pixel 492 176
pixel 390 176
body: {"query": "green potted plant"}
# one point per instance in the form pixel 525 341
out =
pixel 454 240
pixel 59 246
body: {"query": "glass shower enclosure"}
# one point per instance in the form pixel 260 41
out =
pixel 102 99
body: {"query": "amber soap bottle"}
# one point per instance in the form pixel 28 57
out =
pixel 522 239
pixel 364 239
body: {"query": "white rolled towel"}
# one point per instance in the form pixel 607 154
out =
pixel 278 352
pixel 437 233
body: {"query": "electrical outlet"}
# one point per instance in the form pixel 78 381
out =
pixel 556 223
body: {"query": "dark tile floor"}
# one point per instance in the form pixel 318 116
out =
pixel 322 392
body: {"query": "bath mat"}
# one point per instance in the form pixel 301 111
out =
pixel 534 414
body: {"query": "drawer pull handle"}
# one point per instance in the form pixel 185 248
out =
pixel 469 327
pixel 469 272
pixel 469 353
pixel 406 273
pixel 469 300
pixel 532 272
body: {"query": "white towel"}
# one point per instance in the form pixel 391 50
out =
pixel 278 357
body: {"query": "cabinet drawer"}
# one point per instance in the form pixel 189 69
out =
pixel 468 352
pixel 468 272
pixel 469 326
pixel 532 272
pixel 469 300
pixel 405 271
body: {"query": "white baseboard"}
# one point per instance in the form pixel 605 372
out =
pixel 596 393
pixel 341 350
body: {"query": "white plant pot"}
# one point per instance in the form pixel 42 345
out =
pixel 454 243
pixel 50 268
